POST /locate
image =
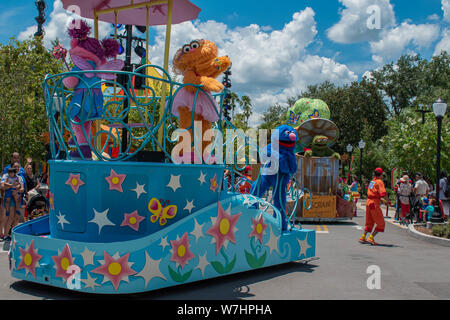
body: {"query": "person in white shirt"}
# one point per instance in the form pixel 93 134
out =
pixel 442 186
pixel 421 188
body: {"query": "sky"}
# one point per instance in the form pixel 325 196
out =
pixel 278 50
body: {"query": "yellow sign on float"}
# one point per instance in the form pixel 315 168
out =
pixel 322 207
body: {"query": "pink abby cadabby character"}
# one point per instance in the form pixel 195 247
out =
pixel 88 54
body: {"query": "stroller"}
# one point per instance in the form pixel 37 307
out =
pixel 37 206
pixel 413 212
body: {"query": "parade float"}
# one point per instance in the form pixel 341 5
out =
pixel 318 164
pixel 120 225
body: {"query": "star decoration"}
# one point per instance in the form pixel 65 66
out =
pixel 202 264
pixel 214 184
pixel 62 262
pixel 189 206
pixel 164 243
pixel 151 270
pixel 88 256
pixel 181 253
pixel 223 228
pixel 89 282
pixel 139 190
pixel 258 228
pixel 75 182
pixel 197 232
pixel 115 181
pixel 115 269
pixel 273 242
pixel 304 246
pixel 174 183
pixel 248 200
pixel 62 220
pixel 202 178
pixel 29 259
pixel 132 220
pixel 101 219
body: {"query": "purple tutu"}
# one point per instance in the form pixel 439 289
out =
pixel 206 105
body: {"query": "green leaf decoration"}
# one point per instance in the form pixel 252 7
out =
pixel 254 261
pixel 177 277
pixel 218 267
pixel 230 266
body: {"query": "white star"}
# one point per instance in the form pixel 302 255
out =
pixel 62 220
pixel 139 190
pixel 164 243
pixel 151 270
pixel 101 219
pixel 197 232
pixel 273 242
pixel 304 246
pixel 88 256
pixel 174 183
pixel 202 178
pixel 89 282
pixel 189 206
pixel 202 264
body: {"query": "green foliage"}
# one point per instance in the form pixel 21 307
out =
pixel 442 231
pixel 23 120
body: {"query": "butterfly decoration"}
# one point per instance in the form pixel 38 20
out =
pixel 160 213
pixel 315 115
pixel 113 65
pixel 293 117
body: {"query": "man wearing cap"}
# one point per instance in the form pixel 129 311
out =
pixel 376 193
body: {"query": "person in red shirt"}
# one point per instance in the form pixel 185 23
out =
pixel 245 181
pixel 376 193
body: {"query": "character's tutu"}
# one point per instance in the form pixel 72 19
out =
pixel 92 102
pixel 205 105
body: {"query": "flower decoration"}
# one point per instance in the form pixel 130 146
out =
pixel 75 182
pixel 60 53
pixel 62 262
pixel 214 184
pixel 30 259
pixel 115 181
pixel 115 269
pixel 258 228
pixel 181 253
pixel 222 230
pixel 132 220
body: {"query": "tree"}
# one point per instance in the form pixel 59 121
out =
pixel 23 66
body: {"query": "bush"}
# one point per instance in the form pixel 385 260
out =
pixel 442 231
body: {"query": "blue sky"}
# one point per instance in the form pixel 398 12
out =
pixel 278 50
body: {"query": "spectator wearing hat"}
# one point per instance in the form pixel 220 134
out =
pixel 376 193
pixel 404 191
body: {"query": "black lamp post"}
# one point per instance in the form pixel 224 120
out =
pixel 439 109
pixel 423 111
pixel 361 146
pixel 40 19
pixel 350 152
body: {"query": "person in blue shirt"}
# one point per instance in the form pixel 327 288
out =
pixel 427 209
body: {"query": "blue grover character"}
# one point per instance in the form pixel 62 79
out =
pixel 279 180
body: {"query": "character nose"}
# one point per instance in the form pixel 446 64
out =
pixel 292 137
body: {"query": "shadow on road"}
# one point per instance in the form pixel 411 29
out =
pixel 230 287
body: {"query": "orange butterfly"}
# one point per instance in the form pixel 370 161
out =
pixel 160 213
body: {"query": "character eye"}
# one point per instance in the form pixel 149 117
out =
pixel 186 48
pixel 195 45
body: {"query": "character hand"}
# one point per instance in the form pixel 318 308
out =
pixel 308 154
pixel 210 84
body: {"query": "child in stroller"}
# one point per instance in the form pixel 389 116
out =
pixel 37 206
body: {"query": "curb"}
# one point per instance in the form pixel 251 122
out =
pixel 435 240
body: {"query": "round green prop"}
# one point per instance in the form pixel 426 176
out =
pixel 306 109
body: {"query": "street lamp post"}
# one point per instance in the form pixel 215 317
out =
pixel 423 111
pixel 350 152
pixel 361 146
pixel 40 19
pixel 439 109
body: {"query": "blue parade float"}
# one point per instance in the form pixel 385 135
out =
pixel 120 225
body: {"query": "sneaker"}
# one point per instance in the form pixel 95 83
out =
pixel 363 239
pixel 371 240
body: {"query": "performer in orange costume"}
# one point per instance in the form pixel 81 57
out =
pixel 375 194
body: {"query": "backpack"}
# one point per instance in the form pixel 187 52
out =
pixel 447 188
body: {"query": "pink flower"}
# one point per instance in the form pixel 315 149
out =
pixel 115 181
pixel 132 220
pixel 180 250
pixel 214 184
pixel 63 262
pixel 258 228
pixel 75 182
pixel 115 269
pixel 223 228
pixel 30 259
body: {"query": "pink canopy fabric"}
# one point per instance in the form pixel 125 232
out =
pixel 183 10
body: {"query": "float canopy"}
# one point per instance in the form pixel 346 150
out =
pixel 318 127
pixel 134 12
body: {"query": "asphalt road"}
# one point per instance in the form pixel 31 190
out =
pixel 409 269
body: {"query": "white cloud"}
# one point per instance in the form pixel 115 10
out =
pixel 353 26
pixel 433 17
pixel 394 42
pixel 57 24
pixel 444 44
pixel 446 9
